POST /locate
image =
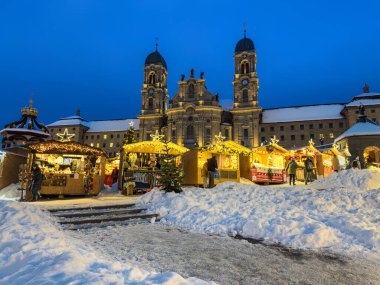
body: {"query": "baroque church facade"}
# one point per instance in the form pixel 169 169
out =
pixel 193 116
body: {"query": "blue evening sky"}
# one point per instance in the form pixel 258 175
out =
pixel 90 54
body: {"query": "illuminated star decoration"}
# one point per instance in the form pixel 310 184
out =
pixel 131 124
pixel 334 145
pixel 65 136
pixel 219 138
pixel 311 142
pixel 157 137
pixel 274 140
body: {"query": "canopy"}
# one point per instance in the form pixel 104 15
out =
pixel 229 147
pixel 57 147
pixel 156 147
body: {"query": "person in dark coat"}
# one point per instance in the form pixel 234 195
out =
pixel 115 175
pixel 212 166
pixel 309 167
pixel 291 168
pixel 37 178
pixel 356 163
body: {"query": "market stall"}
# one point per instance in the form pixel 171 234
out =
pixel 268 163
pixel 140 163
pixel 330 159
pixel 69 168
pixel 111 170
pixel 11 160
pixel 228 155
pixel 300 156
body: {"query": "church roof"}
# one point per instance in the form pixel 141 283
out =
pixel 155 58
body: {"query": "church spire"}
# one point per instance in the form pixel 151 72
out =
pixel 156 43
pixel 245 29
pixel 365 88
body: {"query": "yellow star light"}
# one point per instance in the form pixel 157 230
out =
pixel 157 137
pixel 219 138
pixel 311 142
pixel 274 140
pixel 65 136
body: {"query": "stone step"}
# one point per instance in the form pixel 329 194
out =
pixel 108 219
pixel 100 213
pixel 92 208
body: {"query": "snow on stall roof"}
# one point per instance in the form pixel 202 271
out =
pixel 22 130
pixel 303 113
pixel 360 129
pixel 112 125
pixel 365 102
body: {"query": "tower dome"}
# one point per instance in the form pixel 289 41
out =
pixel 155 58
pixel 245 44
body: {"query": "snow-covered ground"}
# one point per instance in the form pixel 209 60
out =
pixel 33 250
pixel 338 214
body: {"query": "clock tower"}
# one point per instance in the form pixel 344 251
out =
pixel 154 95
pixel 246 113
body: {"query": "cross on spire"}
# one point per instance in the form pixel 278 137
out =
pixel 156 43
pixel 245 29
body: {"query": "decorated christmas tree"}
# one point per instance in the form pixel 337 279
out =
pixel 130 136
pixel 171 176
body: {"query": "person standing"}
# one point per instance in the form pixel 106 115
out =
pixel 37 178
pixel 204 175
pixel 291 169
pixel 212 166
pixel 114 175
pixel 356 163
pixel 309 166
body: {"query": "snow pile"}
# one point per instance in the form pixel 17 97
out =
pixel 34 251
pixel 10 192
pixel 343 218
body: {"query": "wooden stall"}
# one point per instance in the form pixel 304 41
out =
pixel 300 156
pixel 110 165
pixel 228 155
pixel 11 161
pixel 69 168
pixel 140 163
pixel 268 163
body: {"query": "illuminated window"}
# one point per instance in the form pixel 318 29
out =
pixel 111 144
pixel 152 78
pixel 105 137
pixel 331 135
pixel 92 144
pixel 97 145
pixel 321 136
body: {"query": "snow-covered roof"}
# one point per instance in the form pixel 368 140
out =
pixel 365 102
pixel 303 113
pixel 24 131
pixel 112 125
pixel 367 94
pixel 68 122
pixel 360 129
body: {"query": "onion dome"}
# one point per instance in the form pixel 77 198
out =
pixel 155 58
pixel 245 44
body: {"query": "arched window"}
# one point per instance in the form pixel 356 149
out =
pixel 245 95
pixel 244 67
pixel 190 132
pixel 152 78
pixel 191 91
pixel 150 103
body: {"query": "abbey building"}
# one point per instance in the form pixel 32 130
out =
pixel 193 116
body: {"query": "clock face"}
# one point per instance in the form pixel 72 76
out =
pixel 244 55
pixel 244 82
pixel 151 91
pixel 152 67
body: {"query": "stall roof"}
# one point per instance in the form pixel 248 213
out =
pixel 57 147
pixel 228 147
pixel 275 146
pixel 156 147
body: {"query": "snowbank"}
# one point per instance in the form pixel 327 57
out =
pixel 343 218
pixel 34 251
pixel 10 192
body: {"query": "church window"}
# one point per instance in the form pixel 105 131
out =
pixel 244 67
pixel 152 78
pixel 191 91
pixel 245 95
pixel 190 131
pixel 150 103
pixel 245 133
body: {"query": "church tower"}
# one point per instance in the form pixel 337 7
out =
pixel 154 95
pixel 246 113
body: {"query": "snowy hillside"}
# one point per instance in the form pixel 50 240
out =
pixel 34 251
pixel 339 214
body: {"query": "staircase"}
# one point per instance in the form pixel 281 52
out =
pixel 101 216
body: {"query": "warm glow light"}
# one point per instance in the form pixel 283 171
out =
pixel 65 136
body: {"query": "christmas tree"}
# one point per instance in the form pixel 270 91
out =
pixel 171 176
pixel 130 136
